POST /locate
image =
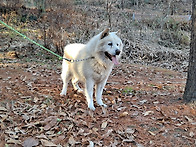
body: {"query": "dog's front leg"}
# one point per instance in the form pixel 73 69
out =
pixel 89 93
pixel 99 90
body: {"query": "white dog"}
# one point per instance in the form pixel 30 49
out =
pixel 91 65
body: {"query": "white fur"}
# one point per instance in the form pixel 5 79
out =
pixel 91 72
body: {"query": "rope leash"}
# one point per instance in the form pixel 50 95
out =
pixel 41 46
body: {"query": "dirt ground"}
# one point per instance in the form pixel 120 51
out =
pixel 145 108
pixel 145 105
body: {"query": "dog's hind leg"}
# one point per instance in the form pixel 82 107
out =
pixel 98 92
pixel 65 84
pixel 89 93
pixel 75 85
pixel 66 76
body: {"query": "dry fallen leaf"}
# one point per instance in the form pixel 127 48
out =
pixel 140 145
pixel 104 124
pixel 148 113
pixel 108 133
pixel 124 114
pixel 142 102
pixel 130 130
pixel 70 126
pixel 30 142
pixel 91 113
pixel 3 109
pixel 63 114
pixel 135 113
pixel 191 134
pixel 72 141
pixel 25 117
pixel 42 136
pixel 47 143
pixel 188 119
pixel 131 139
pixel 4 117
pixel 151 133
pixel 94 129
pixel 58 139
pixel 13 141
pixel 50 122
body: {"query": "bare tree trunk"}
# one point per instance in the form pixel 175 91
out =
pixel 190 89
pixel 122 4
pixel 108 9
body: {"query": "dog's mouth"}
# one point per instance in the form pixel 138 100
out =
pixel 112 58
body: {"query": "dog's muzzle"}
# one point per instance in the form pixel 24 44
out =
pixel 113 57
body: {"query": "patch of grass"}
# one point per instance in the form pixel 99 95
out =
pixel 128 90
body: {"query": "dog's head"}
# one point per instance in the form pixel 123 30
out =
pixel 111 45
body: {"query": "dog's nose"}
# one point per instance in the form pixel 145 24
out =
pixel 117 52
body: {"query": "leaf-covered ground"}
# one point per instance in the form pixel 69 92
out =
pixel 145 108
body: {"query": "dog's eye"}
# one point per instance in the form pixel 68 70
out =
pixel 110 44
pixel 117 44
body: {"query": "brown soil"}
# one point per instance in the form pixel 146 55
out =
pixel 145 108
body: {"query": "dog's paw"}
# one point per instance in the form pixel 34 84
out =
pixel 62 94
pixel 100 103
pixel 91 107
pixel 80 91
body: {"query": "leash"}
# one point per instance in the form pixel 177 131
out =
pixel 41 46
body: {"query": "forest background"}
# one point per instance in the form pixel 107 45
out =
pixel 143 94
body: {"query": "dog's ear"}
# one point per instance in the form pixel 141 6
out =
pixel 105 33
